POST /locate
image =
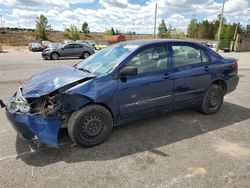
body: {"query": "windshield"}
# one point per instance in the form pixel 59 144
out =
pixel 103 61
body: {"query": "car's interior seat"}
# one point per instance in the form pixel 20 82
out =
pixel 162 61
pixel 146 64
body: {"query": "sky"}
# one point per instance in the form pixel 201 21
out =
pixel 124 15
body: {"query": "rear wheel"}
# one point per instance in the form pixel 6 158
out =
pixel 54 56
pixel 212 100
pixel 85 55
pixel 90 126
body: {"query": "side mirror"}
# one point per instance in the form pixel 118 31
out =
pixel 62 48
pixel 126 71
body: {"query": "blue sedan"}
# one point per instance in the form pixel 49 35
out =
pixel 124 82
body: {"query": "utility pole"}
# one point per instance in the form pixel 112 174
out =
pixel 1 21
pixel 220 27
pixel 78 22
pixel 235 34
pixel 155 20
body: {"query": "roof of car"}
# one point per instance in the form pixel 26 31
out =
pixel 143 42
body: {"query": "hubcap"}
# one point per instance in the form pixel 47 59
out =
pixel 54 56
pixel 214 99
pixel 92 127
pixel 85 55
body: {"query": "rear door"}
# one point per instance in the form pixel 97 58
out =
pixel 79 48
pixel 151 90
pixel 192 73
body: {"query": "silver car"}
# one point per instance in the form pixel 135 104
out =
pixel 68 50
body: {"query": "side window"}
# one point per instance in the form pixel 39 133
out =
pixel 204 57
pixel 150 59
pixel 78 46
pixel 186 55
pixel 69 46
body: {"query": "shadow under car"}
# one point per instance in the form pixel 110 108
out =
pixel 139 136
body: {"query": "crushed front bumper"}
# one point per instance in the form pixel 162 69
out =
pixel 36 128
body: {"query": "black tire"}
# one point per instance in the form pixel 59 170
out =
pixel 212 100
pixel 54 56
pixel 90 126
pixel 85 55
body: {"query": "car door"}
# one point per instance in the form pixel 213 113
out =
pixel 151 90
pixel 79 49
pixel 191 67
pixel 68 50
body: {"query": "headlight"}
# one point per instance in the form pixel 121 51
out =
pixel 24 107
pixel 12 107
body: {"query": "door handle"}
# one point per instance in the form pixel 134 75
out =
pixel 166 76
pixel 206 68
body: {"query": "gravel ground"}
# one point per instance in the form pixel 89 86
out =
pixel 180 149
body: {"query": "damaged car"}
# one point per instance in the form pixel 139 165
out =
pixel 124 82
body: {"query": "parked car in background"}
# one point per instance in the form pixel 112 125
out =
pixel 101 46
pixel 45 43
pixel 68 50
pixel 36 47
pixel 125 82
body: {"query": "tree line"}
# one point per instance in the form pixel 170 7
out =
pixel 207 30
pixel 196 29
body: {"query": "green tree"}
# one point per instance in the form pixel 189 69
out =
pixel 110 31
pixel 72 33
pixel 42 27
pixel 85 28
pixel 117 32
pixel 163 31
pixel 192 30
pixel 247 30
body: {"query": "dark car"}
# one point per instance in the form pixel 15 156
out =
pixel 124 82
pixel 35 47
pixel 68 50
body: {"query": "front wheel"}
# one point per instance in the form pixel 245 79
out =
pixel 54 56
pixel 90 126
pixel 212 100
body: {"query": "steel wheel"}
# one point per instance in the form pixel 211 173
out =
pixel 54 56
pixel 85 55
pixel 90 125
pixel 212 100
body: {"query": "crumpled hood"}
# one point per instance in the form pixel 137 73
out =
pixel 50 80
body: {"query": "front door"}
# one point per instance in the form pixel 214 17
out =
pixel 151 90
pixel 68 50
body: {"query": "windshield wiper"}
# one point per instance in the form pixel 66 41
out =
pixel 83 69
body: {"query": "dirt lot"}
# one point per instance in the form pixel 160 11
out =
pixel 180 149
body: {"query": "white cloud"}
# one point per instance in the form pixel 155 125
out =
pixel 42 3
pixel 120 14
